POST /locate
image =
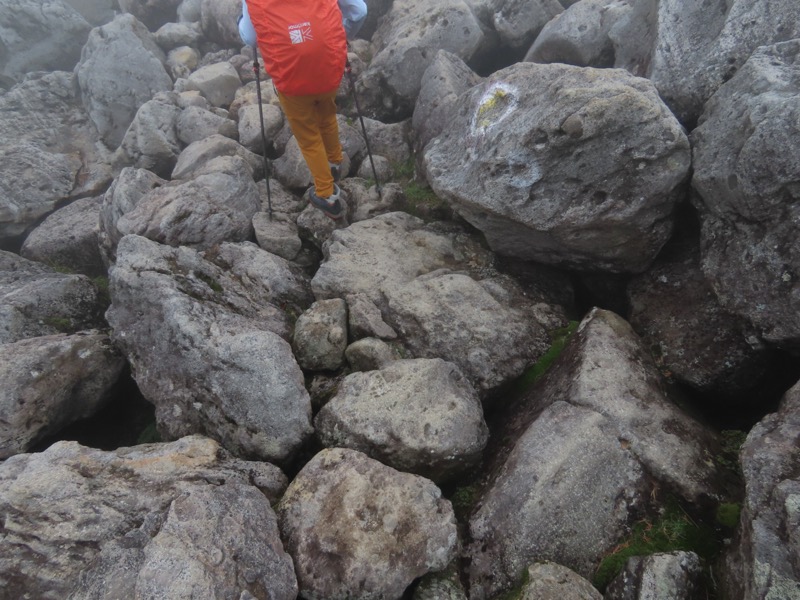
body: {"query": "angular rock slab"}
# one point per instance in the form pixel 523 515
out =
pixel 216 206
pixel 549 581
pixel 32 183
pixel 36 300
pixel 747 172
pixel 762 562
pixel 574 167
pixel 386 252
pixel 357 528
pixel 597 434
pixel 207 350
pixel 454 317
pixel 154 521
pixel 49 382
pixel 418 415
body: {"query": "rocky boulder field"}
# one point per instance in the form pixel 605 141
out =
pixel 554 354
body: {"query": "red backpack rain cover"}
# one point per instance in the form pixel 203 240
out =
pixel 303 44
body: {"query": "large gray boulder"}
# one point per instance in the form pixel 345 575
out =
pixel 518 23
pixel 580 35
pixel 38 112
pixel 49 382
pixel 217 205
pixel 387 252
pixel 688 52
pixel 574 167
pixel 762 561
pixel 37 35
pixel 121 68
pixel 32 183
pixel 196 155
pixel 154 521
pixel 595 437
pixel 207 344
pixel 747 173
pixel 357 528
pixel 485 327
pixel 407 42
pixel 69 238
pixel 421 416
pixel 36 300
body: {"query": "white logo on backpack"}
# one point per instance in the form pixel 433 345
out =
pixel 300 32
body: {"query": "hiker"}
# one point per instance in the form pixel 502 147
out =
pixel 304 46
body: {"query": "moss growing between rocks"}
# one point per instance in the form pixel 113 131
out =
pixel 210 282
pixel 516 592
pixel 673 531
pixel 463 499
pixel 558 341
pixel 61 324
pixel 101 283
pixel 728 513
pixel 149 435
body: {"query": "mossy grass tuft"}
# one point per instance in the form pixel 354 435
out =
pixel 674 530
pixel 558 341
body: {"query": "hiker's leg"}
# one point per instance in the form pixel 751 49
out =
pixel 329 127
pixel 301 113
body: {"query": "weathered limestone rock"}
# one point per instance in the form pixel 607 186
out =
pixel 388 252
pixel 688 52
pixel 549 581
pixel 36 300
pixel 197 155
pixel 407 42
pixel 420 416
pixel 365 320
pixel 69 238
pixel 368 354
pixel 49 382
pixel 762 561
pixel 747 172
pixel 154 521
pixel 32 183
pixel 579 35
pixel 121 68
pixel 196 123
pixel 663 575
pixel 153 13
pixel 443 82
pixel 277 235
pixel 568 166
pixel 356 527
pixel 454 317
pixel 518 23
pixel 40 36
pixel 207 344
pixel 125 192
pixel 219 21
pixel 320 336
pixel 593 438
pixel 216 206
pixel 250 125
pixel 151 141
pixel 218 83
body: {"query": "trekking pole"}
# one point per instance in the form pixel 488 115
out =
pixel 267 170
pixel 349 71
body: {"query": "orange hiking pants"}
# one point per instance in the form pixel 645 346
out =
pixel 313 123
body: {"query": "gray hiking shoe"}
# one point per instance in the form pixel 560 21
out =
pixel 331 206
